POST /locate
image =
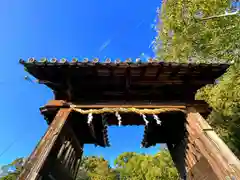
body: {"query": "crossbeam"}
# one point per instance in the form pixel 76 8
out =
pixel 201 108
pixel 60 103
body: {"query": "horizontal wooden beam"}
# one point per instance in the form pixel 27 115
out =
pixel 202 108
pixel 56 103
pixel 171 81
pixel 150 106
pixel 60 103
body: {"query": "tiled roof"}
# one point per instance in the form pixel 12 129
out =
pixel 109 61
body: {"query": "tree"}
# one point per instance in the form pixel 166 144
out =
pixel 130 166
pixel 183 36
pixel 224 98
pixel 13 169
pixel 133 166
pixel 123 159
pixel 96 168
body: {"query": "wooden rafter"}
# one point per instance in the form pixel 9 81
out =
pixel 159 71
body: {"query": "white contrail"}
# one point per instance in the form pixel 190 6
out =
pixel 108 42
pixel 105 45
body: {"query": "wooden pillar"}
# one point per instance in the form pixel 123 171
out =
pixel 201 154
pixel 177 152
pixel 39 156
pixel 207 156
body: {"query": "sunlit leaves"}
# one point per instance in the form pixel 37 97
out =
pixel 96 168
pixel 191 37
pixel 224 98
pixel 140 166
pixel 182 37
pixel 16 167
pixel 130 166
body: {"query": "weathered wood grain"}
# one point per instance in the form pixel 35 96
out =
pixel 40 154
pixel 216 160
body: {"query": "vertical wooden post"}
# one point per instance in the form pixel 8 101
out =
pixel 71 161
pixel 178 154
pixel 63 147
pixel 69 157
pixel 74 163
pixel 78 162
pixel 207 156
pixel 67 154
pixel 40 154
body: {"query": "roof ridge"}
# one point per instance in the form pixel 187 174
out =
pixel 109 61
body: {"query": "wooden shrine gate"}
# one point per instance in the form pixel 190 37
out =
pixel 89 96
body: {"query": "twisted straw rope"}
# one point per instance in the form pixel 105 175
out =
pixel 125 110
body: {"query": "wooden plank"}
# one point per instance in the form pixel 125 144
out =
pixel 40 154
pixel 96 106
pixel 170 82
pixel 130 103
pixel 69 158
pixel 77 165
pixel 64 145
pixel 75 141
pixel 55 103
pixel 66 155
pixel 222 162
pixel 60 103
pixel 214 138
pixel 206 153
pixel 196 172
pixel 199 106
pixel 72 163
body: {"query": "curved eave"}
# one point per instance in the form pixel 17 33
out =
pixel 35 63
pixel 117 80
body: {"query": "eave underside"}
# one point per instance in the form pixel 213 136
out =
pixel 88 82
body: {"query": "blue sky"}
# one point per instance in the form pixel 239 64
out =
pixel 64 29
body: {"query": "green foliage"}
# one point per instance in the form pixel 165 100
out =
pixel 11 176
pixel 133 166
pixel 123 159
pixel 95 168
pixel 17 164
pixel 224 98
pixel 182 36
pixel 130 166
